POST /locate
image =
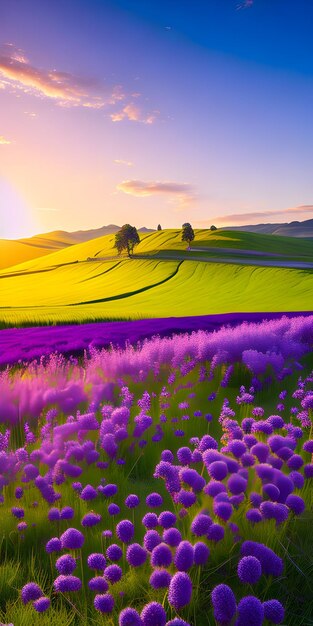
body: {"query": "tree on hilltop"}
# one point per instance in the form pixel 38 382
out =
pixel 126 239
pixel 159 227
pixel 188 233
pixel 213 227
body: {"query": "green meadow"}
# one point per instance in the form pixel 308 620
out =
pixel 89 281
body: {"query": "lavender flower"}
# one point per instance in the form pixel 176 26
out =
pixel 96 561
pixel 161 556
pixel 72 539
pixel 224 604
pixel 136 555
pixel 65 564
pixel 30 591
pixel 250 612
pixel 125 531
pixel 104 603
pixel 113 573
pixel 42 604
pixel 249 570
pixel 53 545
pixel 154 500
pixel 273 611
pixel 99 584
pixel 172 536
pixel 129 617
pixel 91 519
pixel 160 578
pixel 184 556
pixel 201 553
pixel 67 583
pixel 114 552
pixel 153 614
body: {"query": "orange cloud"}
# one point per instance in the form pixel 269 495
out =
pixel 122 162
pixel 133 113
pixel 182 193
pixel 4 141
pixel 17 74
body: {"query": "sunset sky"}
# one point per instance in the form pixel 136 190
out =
pixel 148 111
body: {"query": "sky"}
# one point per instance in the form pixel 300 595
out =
pixel 154 111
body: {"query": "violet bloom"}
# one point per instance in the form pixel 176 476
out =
pixel 270 562
pixel 295 503
pixel 17 512
pixel 180 590
pixel 167 519
pixel 136 555
pixel 216 533
pixel 91 519
pixel 132 501
pixel 218 470
pixel 99 584
pixel 273 611
pixel 53 545
pixel 201 553
pixel 177 621
pixel 72 539
pixel 96 561
pixel 172 536
pixel 129 617
pixel 114 552
pixel 150 520
pixel 153 614
pixel 151 539
pixel 104 603
pixel 113 573
pixel 160 579
pixel 67 513
pixel 67 583
pixel 88 493
pixel 154 500
pixel 113 509
pixel 224 604
pixel 184 556
pixel 224 510
pixel 250 612
pixel 19 493
pixel 125 531
pixel 200 525
pixel 249 570
pixel 42 604
pixel 30 591
pixel 65 564
pixel 161 556
pixel 186 498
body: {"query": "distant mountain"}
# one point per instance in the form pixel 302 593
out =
pixel 291 229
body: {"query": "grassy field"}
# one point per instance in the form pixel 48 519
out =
pixel 89 281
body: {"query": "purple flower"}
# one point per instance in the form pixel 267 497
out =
pixel 177 622
pixel 200 525
pixel 270 562
pixel 167 519
pixel 67 513
pixel 214 487
pixel 109 490
pixel 151 539
pixel 153 614
pixel 250 612
pixel 150 520
pixel 186 498
pixel 72 539
pixel 104 603
pixel 53 545
pixel 308 470
pixel 236 484
pixel 273 611
pixel 172 536
pixel 129 617
pixel 218 470
pixel 201 553
pixel 224 604
pixel 42 604
pixel 132 501
pixel 65 564
pixel 88 493
pixel 295 503
pixel 113 509
pixel 17 512
pixel 297 479
pixel 113 573
pixel 161 556
pixel 67 583
pixel 125 531
pixel 215 533
pixel 30 591
pixel 99 584
pixel 184 455
pixel 19 493
pixel 91 519
pixel 184 556
pixel 308 446
pixel 96 560
pixel 167 455
pixel 114 552
pixel 180 590
pixel 254 516
pixel 136 555
pixel 249 570
pixel 224 510
pixel 160 578
pixel 154 500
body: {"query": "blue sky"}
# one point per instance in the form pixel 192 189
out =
pixel 144 112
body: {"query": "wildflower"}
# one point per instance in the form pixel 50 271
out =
pixel 184 556
pixel 153 614
pixel 30 591
pixel 201 553
pixel 65 564
pixel 136 555
pixel 67 583
pixel 250 612
pixel 42 604
pixel 91 519
pixel 53 545
pixel 224 604
pixel 160 578
pixel 132 501
pixel 72 539
pixel 114 552
pixel 113 573
pixel 249 570
pixel 104 603
pixel 180 590
pixel 129 617
pixel 96 560
pixel 172 536
pixel 273 611
pixel 161 556
pixel 125 531
pixel 99 584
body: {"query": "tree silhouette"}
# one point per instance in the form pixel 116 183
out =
pixel 126 239
pixel 188 233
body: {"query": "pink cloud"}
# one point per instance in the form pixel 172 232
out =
pixel 133 113
pixel 182 193
pixel 245 218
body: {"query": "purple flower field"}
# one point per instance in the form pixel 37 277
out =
pixel 167 483
pixel 27 344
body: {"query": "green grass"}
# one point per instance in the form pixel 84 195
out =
pixel 65 287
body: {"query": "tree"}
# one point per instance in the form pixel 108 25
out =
pixel 126 239
pixel 213 227
pixel 159 227
pixel 188 233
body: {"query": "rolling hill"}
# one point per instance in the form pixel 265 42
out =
pixel 89 282
pixel 291 229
